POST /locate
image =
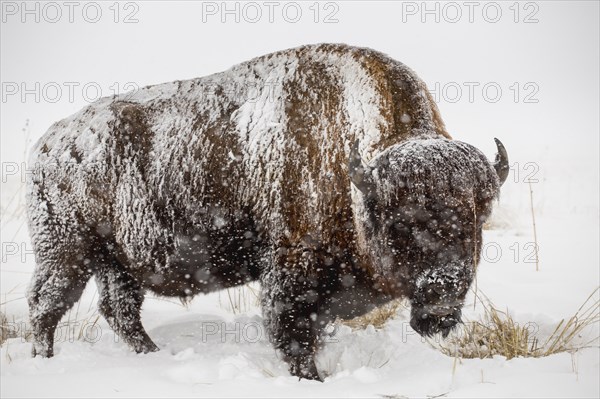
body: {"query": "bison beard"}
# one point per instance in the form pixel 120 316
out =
pixel 259 174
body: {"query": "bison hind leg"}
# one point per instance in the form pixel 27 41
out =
pixel 121 298
pixel 55 287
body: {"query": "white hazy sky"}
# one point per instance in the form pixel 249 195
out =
pixel 554 60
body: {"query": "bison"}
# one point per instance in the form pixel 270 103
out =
pixel 324 172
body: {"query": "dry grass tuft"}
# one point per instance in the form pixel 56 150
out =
pixel 377 317
pixel 240 299
pixel 498 334
pixel 6 329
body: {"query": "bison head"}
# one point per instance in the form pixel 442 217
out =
pixel 423 205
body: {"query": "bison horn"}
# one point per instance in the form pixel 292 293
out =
pixel 360 175
pixel 501 162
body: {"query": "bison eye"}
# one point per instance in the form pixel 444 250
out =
pixel 399 226
pixel 435 292
pixel 439 289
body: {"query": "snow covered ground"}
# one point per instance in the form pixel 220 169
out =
pixel 209 351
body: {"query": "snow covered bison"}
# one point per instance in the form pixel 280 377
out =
pixel 324 172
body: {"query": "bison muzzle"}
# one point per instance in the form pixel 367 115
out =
pixel 324 172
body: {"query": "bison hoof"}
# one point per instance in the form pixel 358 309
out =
pixel 146 347
pixel 304 368
pixel 41 350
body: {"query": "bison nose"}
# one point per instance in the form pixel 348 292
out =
pixel 440 310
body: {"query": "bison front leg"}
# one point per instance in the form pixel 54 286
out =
pixel 290 308
pixel 120 303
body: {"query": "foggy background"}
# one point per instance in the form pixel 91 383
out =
pixel 72 55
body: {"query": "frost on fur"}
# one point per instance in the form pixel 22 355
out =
pixel 199 185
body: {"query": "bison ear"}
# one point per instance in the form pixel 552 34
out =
pixel 360 175
pixel 501 162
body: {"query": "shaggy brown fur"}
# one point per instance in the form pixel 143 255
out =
pixel 195 186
